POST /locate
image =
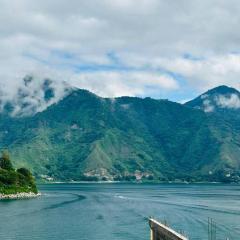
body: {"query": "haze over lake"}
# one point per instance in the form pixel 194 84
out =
pixel 113 211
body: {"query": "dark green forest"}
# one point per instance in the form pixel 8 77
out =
pixel 86 137
pixel 14 181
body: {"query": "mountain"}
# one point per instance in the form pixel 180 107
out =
pixel 221 98
pixel 222 107
pixel 86 137
pixel 221 103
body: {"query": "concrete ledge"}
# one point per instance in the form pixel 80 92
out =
pixel 161 232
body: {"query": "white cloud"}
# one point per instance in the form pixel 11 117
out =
pixel 208 72
pixel 207 106
pixel 32 95
pixel 201 74
pixel 149 37
pixel 232 101
pixel 115 84
pixel 210 103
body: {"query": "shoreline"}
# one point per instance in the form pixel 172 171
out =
pixel 134 182
pixel 21 195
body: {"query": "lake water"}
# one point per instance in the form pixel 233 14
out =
pixel 120 211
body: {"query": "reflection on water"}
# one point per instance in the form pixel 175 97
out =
pixel 120 211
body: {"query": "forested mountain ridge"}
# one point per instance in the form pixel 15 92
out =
pixel 86 137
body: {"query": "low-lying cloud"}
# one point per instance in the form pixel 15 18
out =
pixel 229 101
pixel 232 101
pixel 31 96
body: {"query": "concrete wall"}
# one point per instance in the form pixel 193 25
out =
pixel 161 232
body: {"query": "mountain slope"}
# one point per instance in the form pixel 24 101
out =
pixel 84 136
pixel 222 105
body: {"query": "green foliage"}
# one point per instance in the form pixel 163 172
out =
pixel 12 181
pixel 25 172
pixel 83 134
pixel 5 162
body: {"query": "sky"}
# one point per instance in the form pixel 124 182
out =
pixel 163 49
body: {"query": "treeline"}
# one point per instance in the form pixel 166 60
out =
pixel 14 180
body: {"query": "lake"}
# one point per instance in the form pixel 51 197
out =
pixel 120 211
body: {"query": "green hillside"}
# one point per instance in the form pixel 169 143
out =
pixel 15 181
pixel 85 137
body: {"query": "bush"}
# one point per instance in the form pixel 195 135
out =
pixel 5 162
pixel 25 172
pixel 12 181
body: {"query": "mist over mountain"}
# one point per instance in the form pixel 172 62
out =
pixel 73 134
pixel 221 103
pixel 217 99
pixel 31 95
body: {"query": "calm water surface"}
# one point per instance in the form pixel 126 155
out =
pixel 120 211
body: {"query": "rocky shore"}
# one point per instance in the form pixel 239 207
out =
pixel 19 195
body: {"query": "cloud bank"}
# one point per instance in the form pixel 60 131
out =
pixel 228 102
pixel 31 96
pixel 123 47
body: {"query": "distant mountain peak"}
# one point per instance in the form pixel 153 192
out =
pixel 222 89
pixel 218 98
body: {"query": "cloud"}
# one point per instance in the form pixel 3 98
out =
pixel 122 47
pixel 33 95
pixel 207 106
pixel 233 101
pixel 123 83
pixel 36 92
pixel 211 103
pixel 199 73
pixel 207 72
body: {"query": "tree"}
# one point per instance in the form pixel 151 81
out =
pixel 25 172
pixel 5 162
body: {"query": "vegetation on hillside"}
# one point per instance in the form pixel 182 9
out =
pixel 14 181
pixel 86 137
